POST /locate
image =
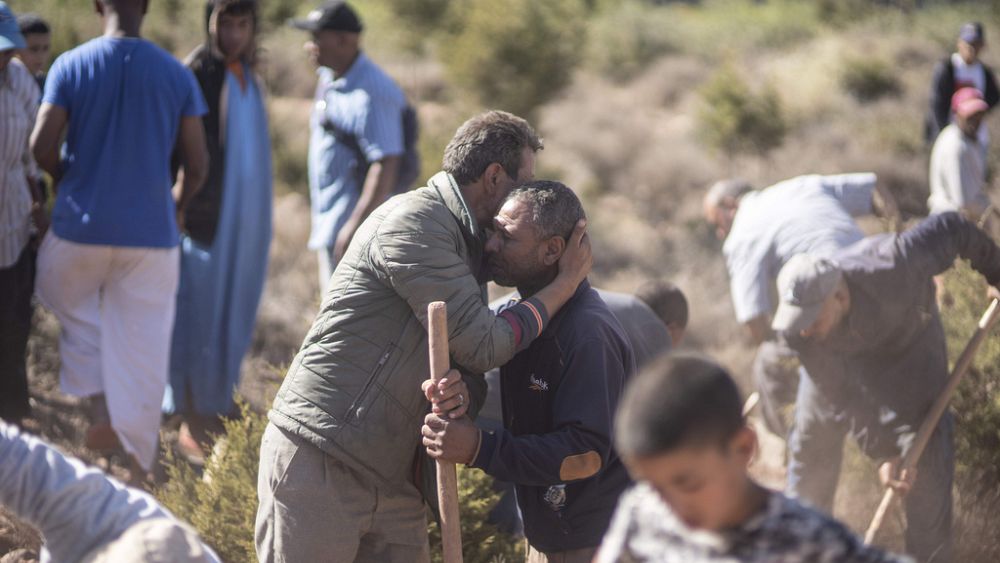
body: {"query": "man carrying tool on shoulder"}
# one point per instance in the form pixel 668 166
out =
pixel 866 326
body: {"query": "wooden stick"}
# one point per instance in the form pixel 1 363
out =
pixel 935 414
pixel 751 403
pixel 447 479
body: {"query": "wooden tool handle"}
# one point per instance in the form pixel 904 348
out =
pixel 934 415
pixel 447 479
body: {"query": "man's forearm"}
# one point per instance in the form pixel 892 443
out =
pixel 185 189
pixel 379 183
pixel 49 162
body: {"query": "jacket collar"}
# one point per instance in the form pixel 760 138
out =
pixel 556 319
pixel 449 192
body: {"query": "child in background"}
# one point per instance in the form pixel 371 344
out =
pixel 681 433
pixel 37 51
pixel 226 230
pixel 668 302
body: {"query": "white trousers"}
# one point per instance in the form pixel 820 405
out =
pixel 116 308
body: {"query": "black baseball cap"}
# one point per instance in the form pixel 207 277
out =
pixel 333 15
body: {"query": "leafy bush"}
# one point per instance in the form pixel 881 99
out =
pixel 735 119
pixel 715 29
pixel 514 55
pixel 841 13
pixel 275 13
pixel 424 15
pixel 627 37
pixel 481 542
pixel 868 79
pixel 290 167
pixel 221 504
pixel 976 407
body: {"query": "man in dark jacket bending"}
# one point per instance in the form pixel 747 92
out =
pixel 865 324
pixel 559 395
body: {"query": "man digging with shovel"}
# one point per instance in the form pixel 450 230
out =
pixel 866 327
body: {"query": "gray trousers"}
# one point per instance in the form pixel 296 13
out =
pixel 815 453
pixel 776 371
pixel 313 508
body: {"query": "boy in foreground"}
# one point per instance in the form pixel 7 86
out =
pixel 682 435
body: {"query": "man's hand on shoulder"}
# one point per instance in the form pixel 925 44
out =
pixel 456 441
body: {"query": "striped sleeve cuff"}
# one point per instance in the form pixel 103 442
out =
pixel 528 319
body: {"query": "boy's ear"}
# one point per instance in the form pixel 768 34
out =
pixel 744 445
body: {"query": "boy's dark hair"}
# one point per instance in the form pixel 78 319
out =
pixel 492 136
pixel 555 209
pixel 32 24
pixel 236 7
pixel 215 9
pixel 680 400
pixel 666 300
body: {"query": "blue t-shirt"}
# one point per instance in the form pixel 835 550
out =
pixel 125 98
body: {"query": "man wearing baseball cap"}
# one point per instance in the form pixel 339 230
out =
pixel 958 163
pixel 866 327
pixel 356 143
pixel 959 70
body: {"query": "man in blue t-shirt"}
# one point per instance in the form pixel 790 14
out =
pixel 108 267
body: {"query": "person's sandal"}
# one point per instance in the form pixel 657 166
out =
pixel 188 447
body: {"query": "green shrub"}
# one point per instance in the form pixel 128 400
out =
pixel 481 542
pixel 221 504
pixel 976 407
pixel 514 55
pixel 715 29
pixel 291 173
pixel 736 120
pixel 275 13
pixel 626 38
pixel 841 13
pixel 423 15
pixel 868 79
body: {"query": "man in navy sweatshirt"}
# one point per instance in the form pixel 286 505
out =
pixel 866 326
pixel 558 395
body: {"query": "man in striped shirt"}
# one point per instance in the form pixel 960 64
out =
pixel 19 196
pixel 356 141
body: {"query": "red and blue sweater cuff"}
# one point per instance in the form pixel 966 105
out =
pixel 528 319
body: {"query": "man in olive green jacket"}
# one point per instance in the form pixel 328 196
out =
pixel 338 457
